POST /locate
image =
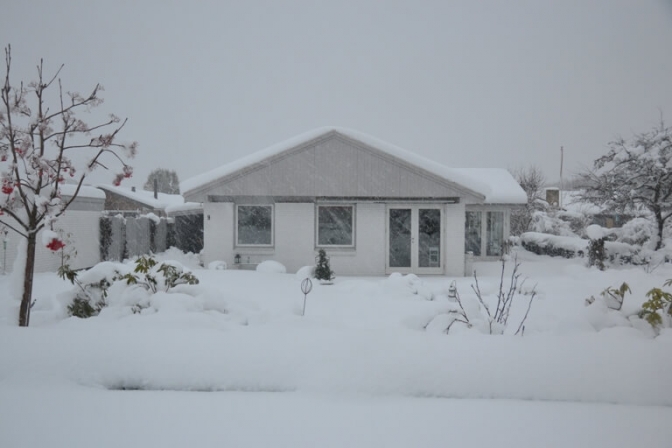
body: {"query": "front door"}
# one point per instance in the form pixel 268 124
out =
pixel 414 239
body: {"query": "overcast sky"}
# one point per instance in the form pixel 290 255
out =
pixel 466 83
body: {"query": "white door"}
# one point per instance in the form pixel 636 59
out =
pixel 414 239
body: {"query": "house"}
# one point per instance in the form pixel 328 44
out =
pixel 129 201
pixel 145 226
pixel 78 227
pixel 375 208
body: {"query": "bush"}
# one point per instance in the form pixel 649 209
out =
pixel 552 245
pixel 93 285
pixel 323 269
pixel 658 307
pixel 596 253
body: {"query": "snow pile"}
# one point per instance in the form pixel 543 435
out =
pixel 361 341
pixel 217 265
pixel 409 284
pixel 271 267
pixel 305 272
pixel 188 259
pixel 595 232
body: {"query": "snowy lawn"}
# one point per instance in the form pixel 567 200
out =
pixel 233 363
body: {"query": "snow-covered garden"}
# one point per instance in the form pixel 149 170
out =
pixel 231 361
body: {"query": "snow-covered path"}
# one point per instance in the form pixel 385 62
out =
pixel 76 416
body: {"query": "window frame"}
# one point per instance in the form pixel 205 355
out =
pixel 479 214
pixel 353 208
pixel 491 236
pixel 236 224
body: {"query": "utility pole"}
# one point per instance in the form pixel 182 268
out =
pixel 562 156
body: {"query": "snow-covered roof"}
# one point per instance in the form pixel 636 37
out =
pixel 146 197
pixel 84 192
pixel 186 207
pixel 497 185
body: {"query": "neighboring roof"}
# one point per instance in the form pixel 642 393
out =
pixel 572 202
pixel 146 197
pixel 497 185
pixel 186 207
pixel 500 187
pixel 85 191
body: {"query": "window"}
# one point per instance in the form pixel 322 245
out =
pixel 254 225
pixel 335 225
pixel 472 233
pixel 495 233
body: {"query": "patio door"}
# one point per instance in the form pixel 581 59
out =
pixel 414 239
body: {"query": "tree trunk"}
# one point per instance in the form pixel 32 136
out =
pixel 26 299
pixel 661 226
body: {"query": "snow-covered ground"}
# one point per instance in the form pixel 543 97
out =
pixel 231 362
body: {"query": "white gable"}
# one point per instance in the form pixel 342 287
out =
pixel 496 186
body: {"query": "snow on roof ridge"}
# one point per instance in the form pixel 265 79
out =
pixel 145 196
pixel 505 193
pixel 85 191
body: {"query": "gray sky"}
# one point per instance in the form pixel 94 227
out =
pixel 466 83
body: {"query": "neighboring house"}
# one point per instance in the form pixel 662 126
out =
pixel 375 208
pixel 78 226
pixel 129 201
pixel 574 205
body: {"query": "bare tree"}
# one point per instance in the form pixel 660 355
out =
pixel 532 180
pixel 635 174
pixel 37 142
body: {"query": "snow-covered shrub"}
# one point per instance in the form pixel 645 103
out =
pixel 476 313
pixel 637 231
pixel 271 267
pixel 596 252
pixel 410 284
pixel 657 311
pixel 305 272
pixel 555 246
pixel 92 286
pixel 613 297
pixel 607 309
pixel 552 223
pixel 153 276
pixel 217 265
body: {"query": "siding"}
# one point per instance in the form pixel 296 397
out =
pixel 333 166
pixel 85 231
pixel 218 232
pixel 368 258
pixel 294 235
pixel 454 240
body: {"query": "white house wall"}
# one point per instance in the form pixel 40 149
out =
pixel 294 238
pixel 454 240
pixel 368 257
pixel 84 228
pixel 218 232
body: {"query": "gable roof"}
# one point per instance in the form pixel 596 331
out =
pixel 496 185
pixel 146 197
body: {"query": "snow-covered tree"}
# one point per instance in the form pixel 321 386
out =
pixel 532 181
pixel 41 140
pixel 635 174
pixel 166 181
